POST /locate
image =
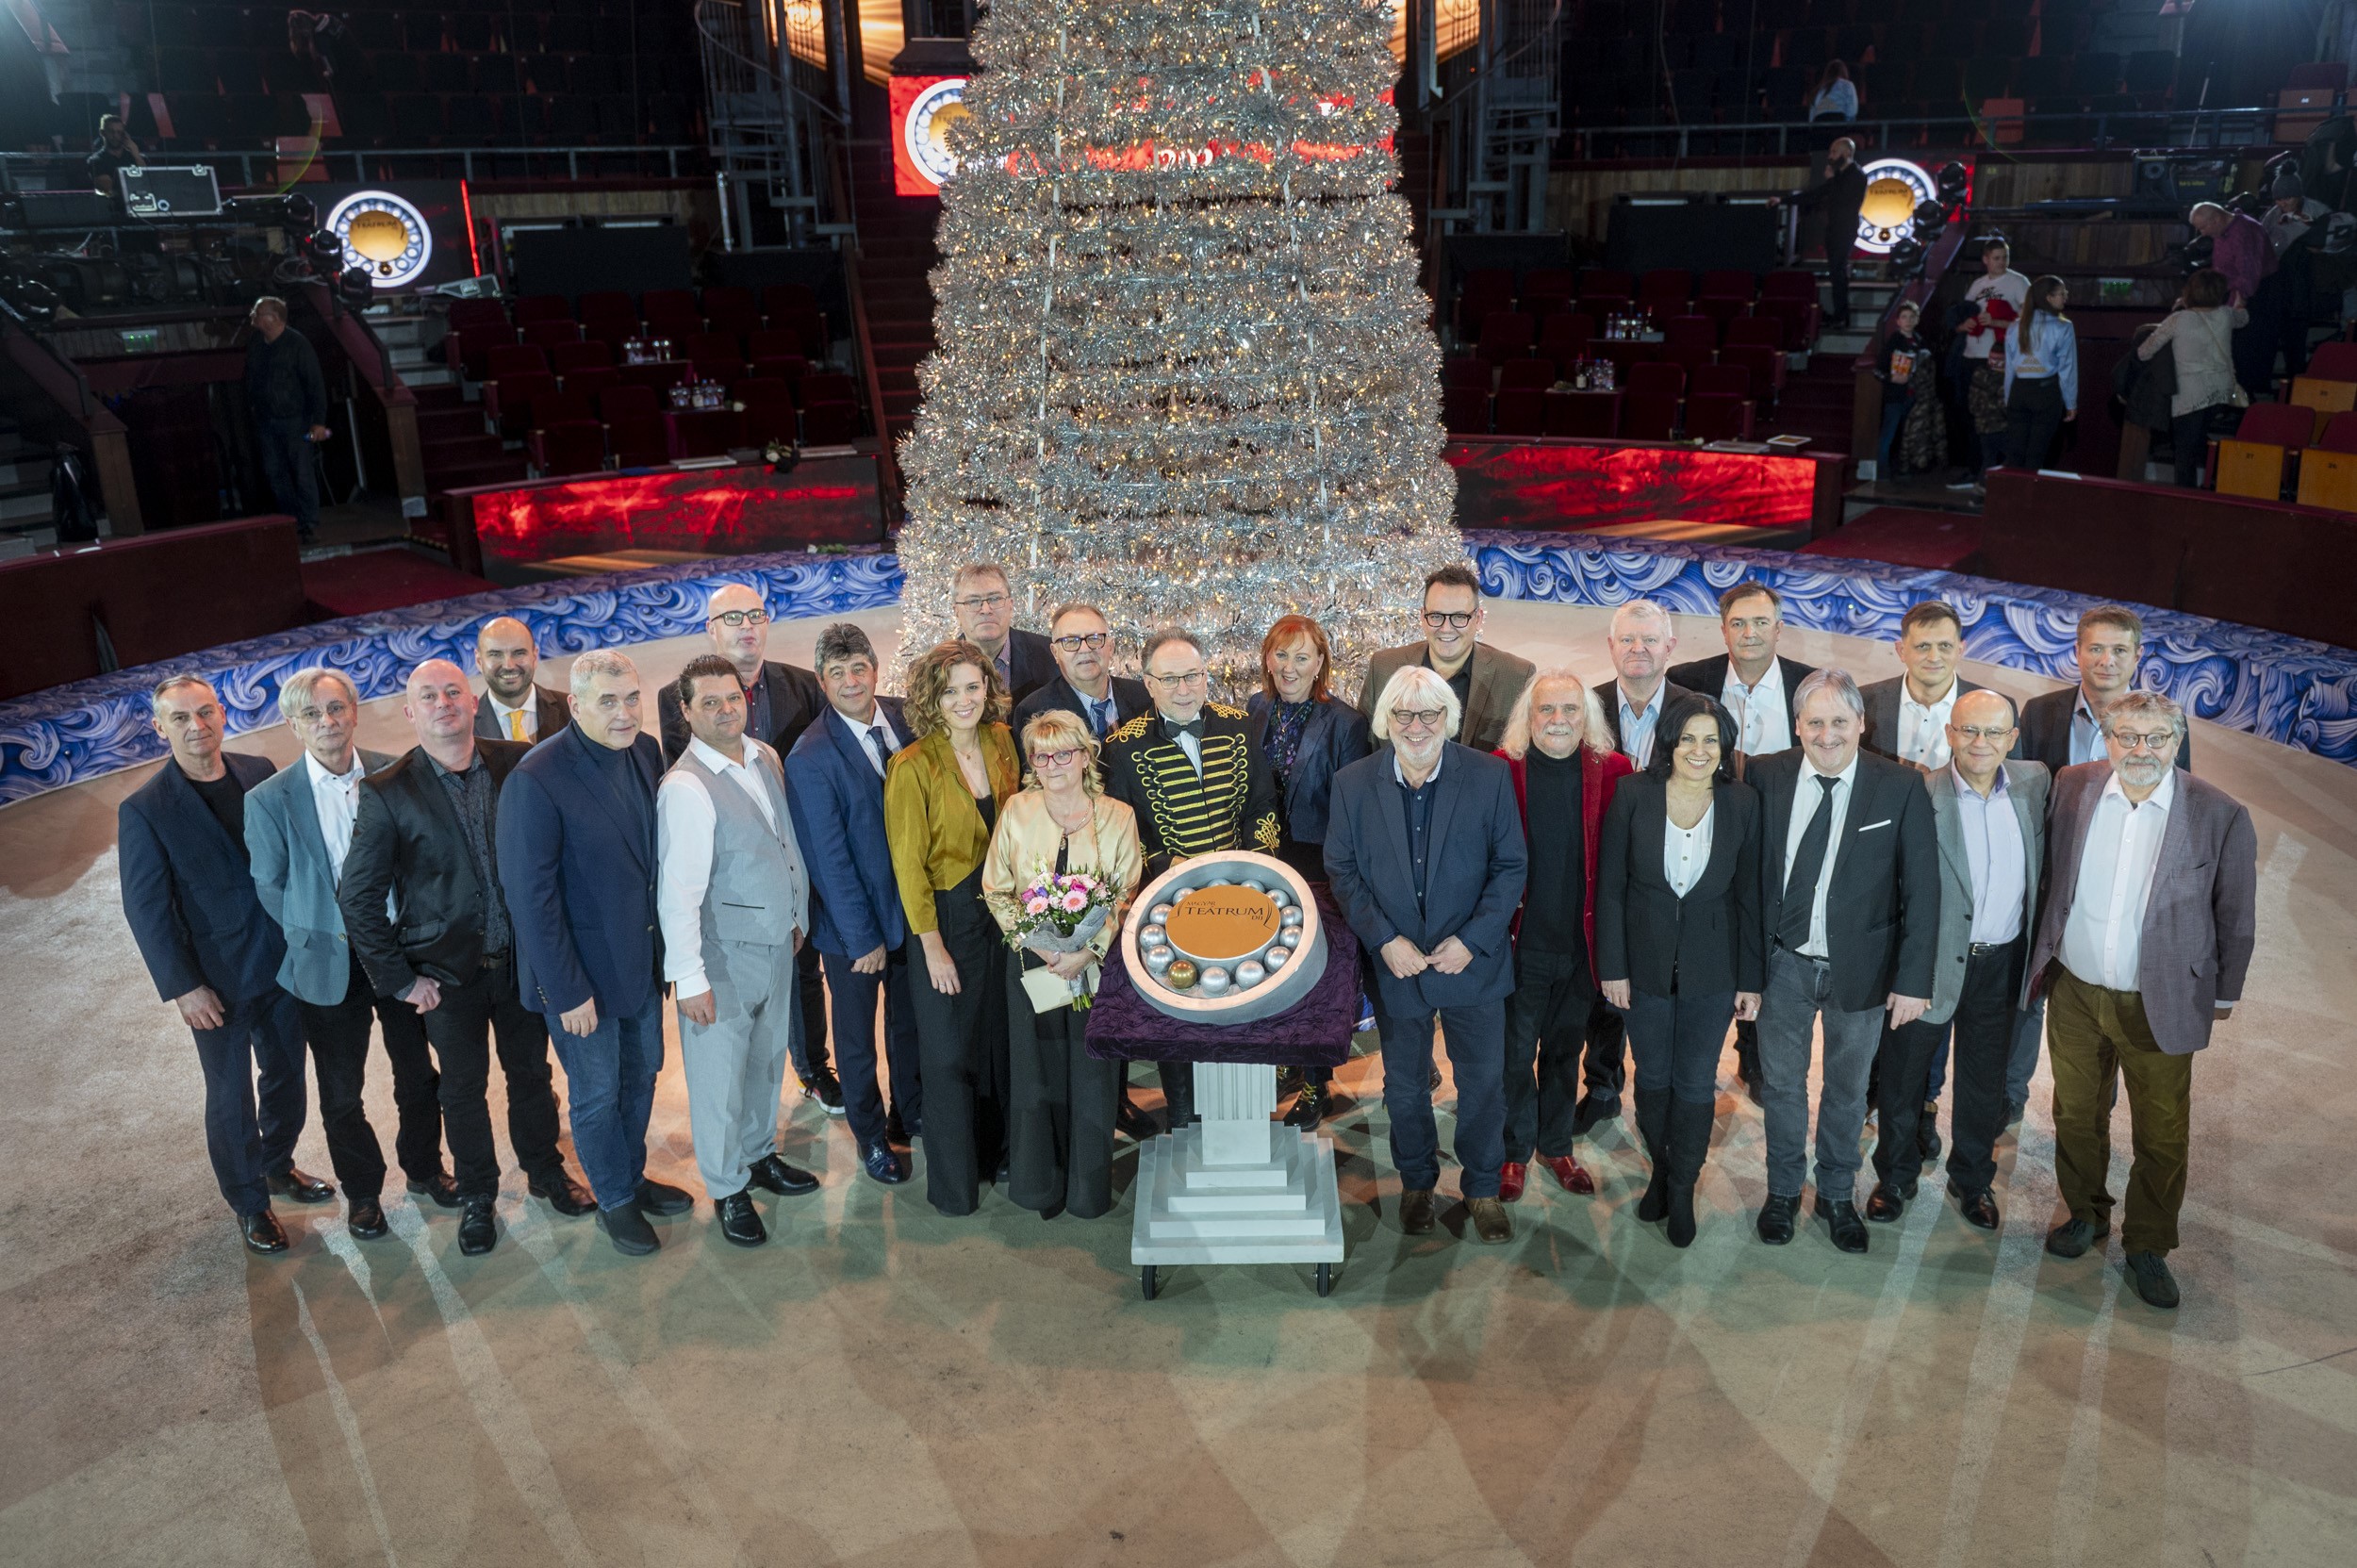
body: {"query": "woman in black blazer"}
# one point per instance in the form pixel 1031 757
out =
pixel 1306 737
pixel 1679 944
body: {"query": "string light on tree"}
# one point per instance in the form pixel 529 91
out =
pixel 1185 368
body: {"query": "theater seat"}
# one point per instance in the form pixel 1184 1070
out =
pixel 829 410
pixel 2256 460
pixel 731 311
pixel 507 400
pixel 502 360
pixel 1521 411
pixel 705 433
pixel 768 411
pixel 1465 410
pixel 634 425
pixel 564 358
pixel 1506 335
pixel 1651 410
pixel 2327 470
pixel 567 446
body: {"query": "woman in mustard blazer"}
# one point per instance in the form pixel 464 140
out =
pixel 942 797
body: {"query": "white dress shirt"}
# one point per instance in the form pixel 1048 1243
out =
pixel 1686 851
pixel 2103 937
pixel 683 820
pixel 1191 745
pixel 1637 724
pixel 1923 731
pixel 337 798
pixel 1994 853
pixel 1763 717
pixel 505 717
pixel 876 720
pixel 1807 792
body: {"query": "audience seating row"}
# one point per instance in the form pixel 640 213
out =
pixel 2291 451
pixel 728 329
pixel 1542 294
pixel 1658 402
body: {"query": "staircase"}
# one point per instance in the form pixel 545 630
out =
pixel 26 521
pixel 896 254
pixel 768 117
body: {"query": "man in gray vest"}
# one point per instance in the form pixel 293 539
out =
pixel 734 900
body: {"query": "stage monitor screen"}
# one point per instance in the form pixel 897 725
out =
pixel 160 190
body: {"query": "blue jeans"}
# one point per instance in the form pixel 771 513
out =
pixel 1477 1055
pixel 286 464
pixel 1895 410
pixel 1676 1041
pixel 1798 997
pixel 611 1072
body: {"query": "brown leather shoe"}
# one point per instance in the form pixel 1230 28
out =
pixel 1490 1223
pixel 1415 1211
pixel 1512 1176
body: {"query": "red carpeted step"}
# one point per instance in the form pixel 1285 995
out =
pixel 1903 536
pixel 370 581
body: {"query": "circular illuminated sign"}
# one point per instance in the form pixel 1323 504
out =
pixel 1894 189
pixel 925 131
pixel 385 234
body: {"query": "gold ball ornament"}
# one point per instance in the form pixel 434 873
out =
pixel 1182 975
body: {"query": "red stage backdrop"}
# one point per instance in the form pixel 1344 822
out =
pixel 737 511
pixel 1571 484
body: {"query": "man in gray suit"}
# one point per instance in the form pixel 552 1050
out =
pixel 514 706
pixel 1486 680
pixel 2145 943
pixel 732 896
pixel 1989 818
pixel 298 830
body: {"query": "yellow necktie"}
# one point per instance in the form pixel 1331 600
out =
pixel 515 724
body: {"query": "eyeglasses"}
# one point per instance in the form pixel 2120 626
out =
pixel 1082 639
pixel 733 619
pixel 2165 739
pixel 1417 718
pixel 980 601
pixel 1458 619
pixel 1178 680
pixel 1982 732
pixel 1061 759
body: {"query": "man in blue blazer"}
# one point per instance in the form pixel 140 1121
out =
pixel 835 790
pixel 1423 847
pixel 577 868
pixel 298 831
pixel 189 896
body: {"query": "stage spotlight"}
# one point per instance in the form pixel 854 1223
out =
pixel 1930 218
pixel 358 289
pixel 298 212
pixel 1952 180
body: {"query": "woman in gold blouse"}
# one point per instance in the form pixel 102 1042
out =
pixel 1062 1126
pixel 942 795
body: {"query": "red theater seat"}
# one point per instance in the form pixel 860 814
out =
pixel 1521 411
pixel 1566 336
pixel 608 305
pixel 787 299
pixel 670 312
pixel 717 355
pixel 564 358
pixel 829 410
pixel 1600 286
pixel 553 335
pixel 2333 361
pixel 634 425
pixel 658 375
pixel 507 400
pixel 731 311
pixel 542 307
pixel 1465 410
pixel 705 433
pixel 1506 335
pixel 510 359
pixel 1651 411
pixel 1665 290
pixel 768 411
pixel 592 379
pixel 1526 375
pixel 569 446
pixel 809 328
pixel 1689 341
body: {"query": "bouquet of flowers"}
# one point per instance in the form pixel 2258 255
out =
pixel 1061 914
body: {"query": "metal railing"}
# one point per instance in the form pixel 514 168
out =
pixel 765 114
pixel 260 168
pixel 2218 128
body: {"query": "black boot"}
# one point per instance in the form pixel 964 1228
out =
pixel 1652 1125
pixel 1689 1144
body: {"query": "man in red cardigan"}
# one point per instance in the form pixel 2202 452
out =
pixel 1565 769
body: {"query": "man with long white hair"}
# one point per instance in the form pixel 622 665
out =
pixel 1424 848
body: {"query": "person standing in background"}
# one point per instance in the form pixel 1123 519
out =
pixel 288 397
pixel 2041 376
pixel 1995 299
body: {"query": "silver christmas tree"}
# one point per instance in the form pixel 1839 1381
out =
pixel 1185 367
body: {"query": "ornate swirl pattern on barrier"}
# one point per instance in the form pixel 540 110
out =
pixel 2283 688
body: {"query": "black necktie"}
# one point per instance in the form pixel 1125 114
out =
pixel 883 750
pixel 1800 880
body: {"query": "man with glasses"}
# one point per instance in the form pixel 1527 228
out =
pixel 1485 680
pixel 2144 943
pixel 780 702
pixel 984 608
pixel 1425 848
pixel 1085 684
pixel 1191 774
pixel 1989 817
pixel 514 706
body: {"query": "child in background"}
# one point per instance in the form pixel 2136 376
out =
pixel 1905 365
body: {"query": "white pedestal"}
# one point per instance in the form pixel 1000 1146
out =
pixel 1238 1188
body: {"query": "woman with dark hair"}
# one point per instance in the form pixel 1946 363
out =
pixel 1679 944
pixel 2201 331
pixel 1306 737
pixel 2041 376
pixel 942 797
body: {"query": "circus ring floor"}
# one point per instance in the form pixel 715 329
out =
pixel 879 1385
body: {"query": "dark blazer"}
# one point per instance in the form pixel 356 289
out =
pixel 579 877
pixel 1881 735
pixel 1711 939
pixel 551 707
pixel 407 841
pixel 1129 699
pixel 795 700
pixel 836 797
pixel 1474 874
pixel 1030 663
pixel 295 883
pixel 1230 805
pixel 1881 917
pixel 1498 679
pixel 1709 676
pixel 1609 695
pixel 2046 732
pixel 187 891
pixel 1599 780
pixel 1335 736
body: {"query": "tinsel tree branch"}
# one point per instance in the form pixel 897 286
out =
pixel 1185 368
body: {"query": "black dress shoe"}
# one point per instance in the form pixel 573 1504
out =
pixel 2073 1236
pixel 897 1130
pixel 478 1231
pixel 882 1161
pixel 293 1183
pixel 1133 1123
pixel 366 1219
pixel 1978 1209
pixel 1849 1232
pixel 2148 1271
pixel 827 1090
pixel 564 1195
pixel 628 1230
pixel 1884 1204
pixel 442 1190
pixel 263 1232
pixel 740 1222
pixel 1590 1111
pixel 661 1197
pixel 1927 1131
pixel 769 1172
pixel 1308 1107
pixel 1775 1218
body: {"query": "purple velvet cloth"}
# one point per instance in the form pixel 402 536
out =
pixel 1314 1032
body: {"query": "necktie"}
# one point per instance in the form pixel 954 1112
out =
pixel 1100 715
pixel 1799 882
pixel 1191 727
pixel 515 724
pixel 876 739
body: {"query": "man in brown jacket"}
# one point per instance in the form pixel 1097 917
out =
pixel 1486 680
